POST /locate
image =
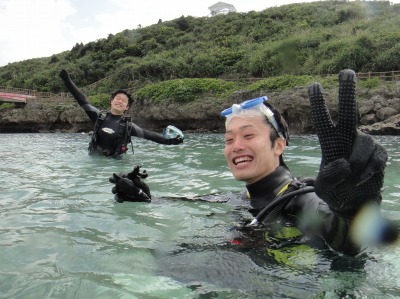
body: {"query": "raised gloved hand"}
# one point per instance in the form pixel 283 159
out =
pixel 352 167
pixel 130 187
pixel 64 75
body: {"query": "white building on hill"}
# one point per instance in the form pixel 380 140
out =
pixel 221 8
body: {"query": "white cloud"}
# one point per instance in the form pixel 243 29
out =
pixel 126 14
pixel 41 28
pixel 32 28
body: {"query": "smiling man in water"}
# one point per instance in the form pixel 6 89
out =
pixel 350 177
pixel 292 209
pixel 113 130
pixel 246 144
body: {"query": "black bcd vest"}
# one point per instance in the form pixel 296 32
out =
pixel 121 143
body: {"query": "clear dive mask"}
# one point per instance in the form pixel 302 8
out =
pixel 253 107
pixel 172 132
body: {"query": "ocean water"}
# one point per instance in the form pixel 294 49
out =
pixel 62 235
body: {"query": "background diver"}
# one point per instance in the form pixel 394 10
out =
pixel 113 130
pixel 350 177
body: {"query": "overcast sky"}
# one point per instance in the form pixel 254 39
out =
pixel 41 28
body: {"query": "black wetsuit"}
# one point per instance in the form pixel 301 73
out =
pixel 306 212
pixel 108 131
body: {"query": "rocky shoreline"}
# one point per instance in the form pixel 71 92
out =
pixel 379 114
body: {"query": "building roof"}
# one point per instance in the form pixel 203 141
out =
pixel 221 7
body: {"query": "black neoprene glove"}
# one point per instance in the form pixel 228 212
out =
pixel 175 141
pixel 64 75
pixel 352 167
pixel 130 187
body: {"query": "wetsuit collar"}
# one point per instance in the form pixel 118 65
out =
pixel 266 189
pixel 115 115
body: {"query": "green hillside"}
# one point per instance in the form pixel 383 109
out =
pixel 303 40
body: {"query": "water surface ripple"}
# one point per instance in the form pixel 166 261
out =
pixel 63 236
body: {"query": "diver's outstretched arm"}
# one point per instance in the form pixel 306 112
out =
pixel 153 136
pixel 131 187
pixel 90 110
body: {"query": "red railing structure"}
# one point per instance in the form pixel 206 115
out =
pixel 14 97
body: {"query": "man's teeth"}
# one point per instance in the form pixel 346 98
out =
pixel 241 160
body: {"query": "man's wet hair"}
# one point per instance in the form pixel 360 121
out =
pixel 130 99
pixel 282 127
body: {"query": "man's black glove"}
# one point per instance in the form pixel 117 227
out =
pixel 64 75
pixel 175 141
pixel 352 167
pixel 130 187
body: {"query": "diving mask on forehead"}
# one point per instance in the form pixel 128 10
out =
pixel 249 108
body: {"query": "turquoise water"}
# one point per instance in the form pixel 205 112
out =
pixel 63 236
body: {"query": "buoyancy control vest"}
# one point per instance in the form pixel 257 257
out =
pixel 296 187
pixel 120 145
pixel 269 195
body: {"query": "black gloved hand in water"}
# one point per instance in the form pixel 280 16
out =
pixel 130 187
pixel 175 141
pixel 352 167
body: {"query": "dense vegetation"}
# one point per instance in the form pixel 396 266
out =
pixel 288 45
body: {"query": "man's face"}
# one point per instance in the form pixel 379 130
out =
pixel 119 104
pixel 248 149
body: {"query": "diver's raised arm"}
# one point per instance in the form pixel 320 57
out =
pixel 81 99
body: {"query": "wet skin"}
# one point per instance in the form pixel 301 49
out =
pixel 248 148
pixel 119 104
